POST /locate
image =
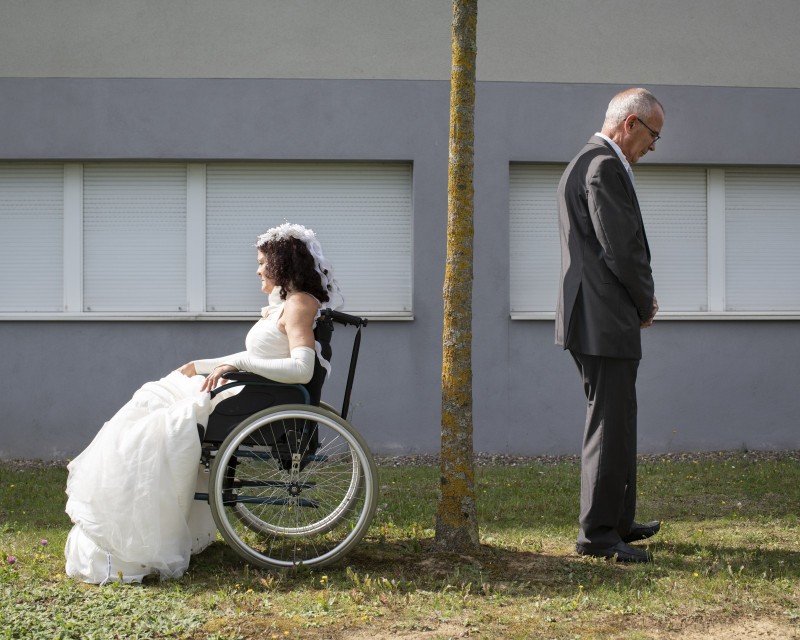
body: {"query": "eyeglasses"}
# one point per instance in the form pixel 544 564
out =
pixel 656 135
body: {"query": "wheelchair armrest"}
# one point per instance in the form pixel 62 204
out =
pixel 245 378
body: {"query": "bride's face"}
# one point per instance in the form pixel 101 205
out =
pixel 266 283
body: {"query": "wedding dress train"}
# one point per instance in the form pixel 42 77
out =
pixel 131 491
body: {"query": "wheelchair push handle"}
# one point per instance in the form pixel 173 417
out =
pixel 344 318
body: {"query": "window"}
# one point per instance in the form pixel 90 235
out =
pixel 361 214
pixel 723 240
pixel 31 242
pixel 174 239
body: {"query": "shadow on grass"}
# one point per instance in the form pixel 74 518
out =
pixel 413 565
pixel 742 561
pixel 416 565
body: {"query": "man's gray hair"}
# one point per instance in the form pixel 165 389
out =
pixel 638 101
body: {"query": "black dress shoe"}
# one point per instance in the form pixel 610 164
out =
pixel 642 531
pixel 621 552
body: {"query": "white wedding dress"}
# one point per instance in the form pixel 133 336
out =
pixel 131 491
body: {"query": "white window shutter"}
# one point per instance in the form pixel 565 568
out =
pixel 673 203
pixel 762 224
pixel 361 213
pixel 534 247
pixel 31 237
pixel 134 237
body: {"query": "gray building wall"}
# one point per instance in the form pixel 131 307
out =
pixel 368 80
pixel 704 384
pixel 680 42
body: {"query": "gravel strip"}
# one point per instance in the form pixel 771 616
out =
pixel 508 460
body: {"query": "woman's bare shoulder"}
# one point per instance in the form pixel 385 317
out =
pixel 301 302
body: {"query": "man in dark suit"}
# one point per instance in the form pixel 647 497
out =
pixel 605 298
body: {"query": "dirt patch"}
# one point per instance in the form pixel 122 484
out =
pixel 427 632
pixel 758 629
pixel 739 630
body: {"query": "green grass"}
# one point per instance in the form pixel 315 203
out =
pixel 727 560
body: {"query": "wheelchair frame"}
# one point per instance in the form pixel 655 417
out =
pixel 291 480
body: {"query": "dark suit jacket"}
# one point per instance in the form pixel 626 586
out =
pixel 606 285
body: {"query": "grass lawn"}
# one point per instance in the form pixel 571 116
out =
pixel 727 565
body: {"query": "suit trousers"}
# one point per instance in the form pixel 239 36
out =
pixel 608 457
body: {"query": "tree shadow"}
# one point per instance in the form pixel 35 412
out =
pixel 413 565
pixel 408 566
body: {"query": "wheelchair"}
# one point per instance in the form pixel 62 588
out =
pixel 291 482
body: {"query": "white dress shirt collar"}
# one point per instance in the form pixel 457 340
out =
pixel 619 153
pixel 616 149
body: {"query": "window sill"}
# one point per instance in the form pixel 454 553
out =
pixel 376 316
pixel 683 315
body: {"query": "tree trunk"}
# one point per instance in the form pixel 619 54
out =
pixel 456 517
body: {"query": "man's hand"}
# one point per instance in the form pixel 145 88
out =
pixel 649 322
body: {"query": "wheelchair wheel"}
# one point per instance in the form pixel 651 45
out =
pixel 291 485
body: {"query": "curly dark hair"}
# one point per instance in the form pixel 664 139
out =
pixel 292 268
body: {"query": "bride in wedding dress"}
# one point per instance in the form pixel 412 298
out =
pixel 131 491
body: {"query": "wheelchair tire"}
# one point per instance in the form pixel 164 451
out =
pixel 293 485
pixel 330 407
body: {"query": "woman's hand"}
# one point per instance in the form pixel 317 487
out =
pixel 215 378
pixel 188 370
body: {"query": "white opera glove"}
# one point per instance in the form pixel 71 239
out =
pixel 297 368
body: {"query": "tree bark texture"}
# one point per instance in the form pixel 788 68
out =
pixel 456 518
